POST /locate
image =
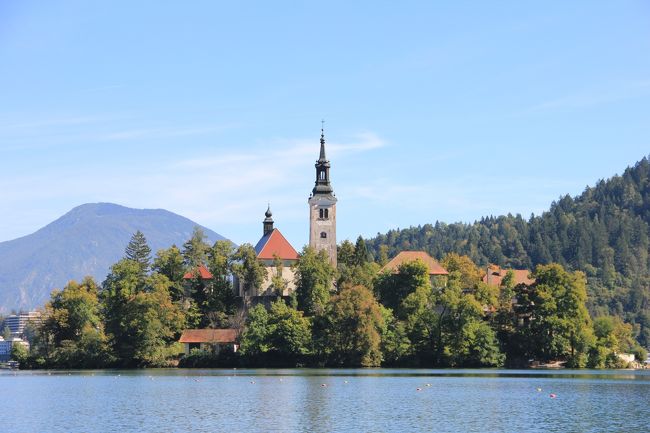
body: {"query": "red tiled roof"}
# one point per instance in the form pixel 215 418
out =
pixel 274 244
pixel 201 271
pixel 408 256
pixel 495 275
pixel 209 336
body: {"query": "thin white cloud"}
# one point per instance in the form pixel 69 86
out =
pixel 595 97
pixel 220 190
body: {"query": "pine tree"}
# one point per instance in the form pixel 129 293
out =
pixel 138 251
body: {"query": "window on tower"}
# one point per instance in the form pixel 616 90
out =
pixel 320 213
pixel 323 235
pixel 327 213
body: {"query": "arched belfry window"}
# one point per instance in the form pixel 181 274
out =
pixel 320 213
pixel 327 213
pixel 323 235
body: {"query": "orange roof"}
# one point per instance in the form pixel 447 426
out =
pixel 201 271
pixel 495 275
pixel 408 256
pixel 274 244
pixel 209 336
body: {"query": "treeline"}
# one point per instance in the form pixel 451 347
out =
pixel 367 318
pixel 588 303
pixel 409 319
pixel 604 232
pixel 135 316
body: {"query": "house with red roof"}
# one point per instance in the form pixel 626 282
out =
pixel 437 274
pixel 271 247
pixel 201 272
pixel 213 340
pixel 494 276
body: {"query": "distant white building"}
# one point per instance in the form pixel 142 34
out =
pixel 6 346
pixel 17 322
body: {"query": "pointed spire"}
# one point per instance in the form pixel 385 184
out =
pixel 322 157
pixel 268 212
pixel 322 185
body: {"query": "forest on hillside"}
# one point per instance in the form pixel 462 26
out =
pixel 603 232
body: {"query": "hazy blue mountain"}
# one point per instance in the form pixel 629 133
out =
pixel 85 241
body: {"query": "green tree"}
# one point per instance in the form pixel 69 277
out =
pixel 251 272
pixel 463 269
pixel 392 289
pixel 280 336
pixel 169 262
pixel 195 250
pixel 142 321
pixel 6 333
pixel 19 353
pixel 350 329
pixel 138 251
pixel 219 297
pixel 314 278
pixel 151 326
pixel 395 345
pixel 74 328
pixel 256 338
pixel 560 326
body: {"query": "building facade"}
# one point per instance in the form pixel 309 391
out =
pixel 322 208
pixel 17 322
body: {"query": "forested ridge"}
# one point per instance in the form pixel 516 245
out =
pixel 603 232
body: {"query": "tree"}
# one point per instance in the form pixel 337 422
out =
pixel 141 319
pixel 256 336
pixel 151 325
pixel 560 326
pixel 361 254
pixel 195 250
pixel 6 333
pixel 169 262
pixel 463 269
pixel 395 345
pixel 74 327
pixel 250 271
pixel 392 289
pixel 280 336
pixel 350 329
pixel 138 251
pixel 19 352
pixel 218 301
pixel 290 333
pixel 314 278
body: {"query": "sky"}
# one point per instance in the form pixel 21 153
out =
pixel 434 111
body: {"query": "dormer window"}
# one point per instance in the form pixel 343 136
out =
pixel 323 235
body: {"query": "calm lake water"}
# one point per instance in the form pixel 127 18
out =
pixel 303 400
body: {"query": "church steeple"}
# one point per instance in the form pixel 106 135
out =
pixel 268 221
pixel 322 208
pixel 322 185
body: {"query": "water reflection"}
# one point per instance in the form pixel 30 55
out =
pixel 352 400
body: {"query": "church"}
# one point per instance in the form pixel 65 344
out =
pixel 273 249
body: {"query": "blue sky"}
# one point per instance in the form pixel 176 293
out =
pixel 434 111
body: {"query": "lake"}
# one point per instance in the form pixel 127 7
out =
pixel 310 400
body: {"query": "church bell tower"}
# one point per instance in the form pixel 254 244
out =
pixel 322 208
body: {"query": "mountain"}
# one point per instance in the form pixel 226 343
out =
pixel 85 241
pixel 605 232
